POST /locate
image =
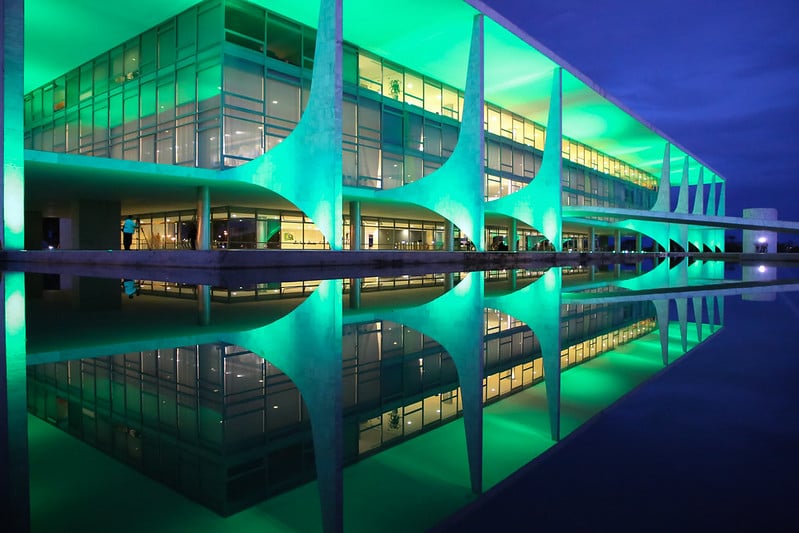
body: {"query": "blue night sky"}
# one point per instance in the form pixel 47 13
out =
pixel 720 78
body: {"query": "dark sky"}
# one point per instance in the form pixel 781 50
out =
pixel 720 77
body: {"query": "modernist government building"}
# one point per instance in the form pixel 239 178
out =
pixel 334 125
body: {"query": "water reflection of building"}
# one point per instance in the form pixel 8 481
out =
pixel 227 428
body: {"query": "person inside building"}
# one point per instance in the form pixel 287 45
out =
pixel 128 228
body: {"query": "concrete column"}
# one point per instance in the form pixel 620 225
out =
pixel 12 189
pixel 203 218
pixel 638 242
pixel 14 473
pixel 592 239
pixel 682 199
pixel 513 236
pixel 96 226
pixel 699 195
pixel 355 226
pixel 663 200
pixel 203 304
pixel 449 236
pixel 617 241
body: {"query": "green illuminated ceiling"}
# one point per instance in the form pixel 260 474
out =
pixel 429 37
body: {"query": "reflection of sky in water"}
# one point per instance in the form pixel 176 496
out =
pixel 195 395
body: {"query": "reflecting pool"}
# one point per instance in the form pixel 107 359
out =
pixel 373 402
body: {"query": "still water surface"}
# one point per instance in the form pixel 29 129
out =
pixel 170 406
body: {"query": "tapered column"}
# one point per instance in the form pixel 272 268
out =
pixel 456 190
pixel 355 225
pixel 682 199
pixel 699 197
pixel 306 167
pixel 663 201
pixel 203 218
pixel 539 203
pixel 14 483
pixel 12 204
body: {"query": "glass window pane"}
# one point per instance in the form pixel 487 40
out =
pixel 449 103
pixel 283 100
pixel 283 40
pixel 392 128
pixel 414 90
pixel 392 82
pixel 432 98
pixel 370 73
pixel 244 78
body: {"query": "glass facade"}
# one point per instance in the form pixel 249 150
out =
pixel 225 81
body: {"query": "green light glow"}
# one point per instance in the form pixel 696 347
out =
pixel 14 389
pixel 12 135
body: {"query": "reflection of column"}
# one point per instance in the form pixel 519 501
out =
pixel 203 304
pixel 456 321
pixel 355 225
pixel 449 236
pixel 512 279
pixel 449 280
pixel 710 302
pixel 355 293
pixel 286 344
pixel 682 317
pixel 697 305
pixel 14 484
pixel 662 314
pixel 203 218
pixel 538 306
